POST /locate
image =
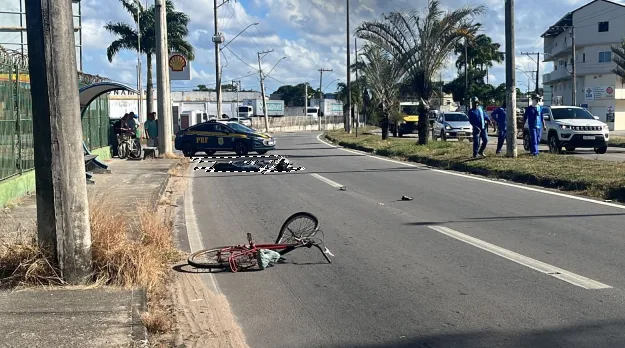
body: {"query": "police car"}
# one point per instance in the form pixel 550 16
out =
pixel 212 136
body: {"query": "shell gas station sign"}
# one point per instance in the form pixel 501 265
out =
pixel 179 67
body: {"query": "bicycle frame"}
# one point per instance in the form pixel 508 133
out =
pixel 252 248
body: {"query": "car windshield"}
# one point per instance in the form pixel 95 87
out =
pixel 410 109
pixel 456 117
pixel 240 128
pixel 571 114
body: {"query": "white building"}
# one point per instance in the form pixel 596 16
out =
pixel 13 27
pixel 597 26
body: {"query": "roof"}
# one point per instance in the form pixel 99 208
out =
pixel 567 20
pixel 89 93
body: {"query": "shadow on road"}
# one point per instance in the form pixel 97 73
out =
pixel 596 334
pixel 508 218
pixel 306 172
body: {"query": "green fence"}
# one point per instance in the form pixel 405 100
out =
pixel 16 121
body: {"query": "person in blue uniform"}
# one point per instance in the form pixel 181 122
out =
pixel 535 124
pixel 499 116
pixel 477 118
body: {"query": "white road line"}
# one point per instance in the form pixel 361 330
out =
pixel 539 266
pixel 193 232
pixel 326 180
pixel 490 181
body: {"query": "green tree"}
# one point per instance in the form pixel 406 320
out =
pixel 421 44
pixel 294 95
pixel 127 36
pixel 203 88
pixel 381 74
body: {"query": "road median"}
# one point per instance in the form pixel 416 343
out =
pixel 599 179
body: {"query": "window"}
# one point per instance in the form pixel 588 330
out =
pixel 604 27
pixel 605 57
pixel 205 127
pixel 584 58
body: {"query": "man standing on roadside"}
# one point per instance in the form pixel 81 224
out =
pixel 151 129
pixel 477 120
pixel 499 116
pixel 534 123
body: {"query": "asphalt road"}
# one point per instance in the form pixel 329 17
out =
pixel 417 273
pixel 614 153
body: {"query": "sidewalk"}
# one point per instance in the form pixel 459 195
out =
pixel 90 317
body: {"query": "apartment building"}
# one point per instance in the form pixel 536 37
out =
pixel 597 26
pixel 13 27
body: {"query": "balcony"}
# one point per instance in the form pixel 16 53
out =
pixel 552 51
pixel 556 75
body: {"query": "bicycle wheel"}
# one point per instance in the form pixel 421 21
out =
pixel 136 151
pixel 215 258
pixel 123 150
pixel 299 225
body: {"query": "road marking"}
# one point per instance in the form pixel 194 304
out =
pixel 193 232
pixel 490 181
pixel 539 266
pixel 327 181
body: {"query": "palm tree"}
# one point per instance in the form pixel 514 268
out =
pixel 381 74
pixel 421 44
pixel 127 37
pixel 481 52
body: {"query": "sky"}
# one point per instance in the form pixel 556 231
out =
pixel 311 34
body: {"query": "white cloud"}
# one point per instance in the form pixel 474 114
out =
pixel 311 33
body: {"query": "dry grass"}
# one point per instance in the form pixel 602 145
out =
pixel 601 179
pixel 128 255
pixel 172 156
pixel 157 321
pixel 124 254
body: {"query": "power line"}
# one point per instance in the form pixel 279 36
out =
pixel 239 58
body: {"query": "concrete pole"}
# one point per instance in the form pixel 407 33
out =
pixel 574 96
pixel 217 65
pixel 62 206
pixel 142 118
pixel 511 146
pixel 348 117
pixel 165 122
pixel 262 90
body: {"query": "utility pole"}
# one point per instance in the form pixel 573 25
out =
pixel 262 89
pixel 574 66
pixel 218 39
pixel 511 146
pixel 348 117
pixel 321 71
pixel 165 122
pixel 356 58
pixel 63 227
pixel 529 54
pixel 466 73
pixel 139 79
pixel 238 84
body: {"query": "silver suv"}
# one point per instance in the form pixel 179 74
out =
pixel 570 127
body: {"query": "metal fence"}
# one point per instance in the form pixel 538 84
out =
pixel 16 121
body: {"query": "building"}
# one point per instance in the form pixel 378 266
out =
pixel 597 26
pixel 13 27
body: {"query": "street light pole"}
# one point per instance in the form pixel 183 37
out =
pixel 511 147
pixel 139 79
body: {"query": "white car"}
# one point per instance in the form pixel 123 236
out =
pixel 570 127
pixel 453 125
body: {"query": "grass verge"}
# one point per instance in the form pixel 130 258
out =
pixel 600 179
pixel 617 141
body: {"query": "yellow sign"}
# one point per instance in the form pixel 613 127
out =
pixel 177 62
pixel 411 118
pixel 23 77
pixel 220 141
pixel 201 140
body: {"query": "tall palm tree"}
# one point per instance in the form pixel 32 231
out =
pixel 481 52
pixel 381 75
pixel 127 36
pixel 421 43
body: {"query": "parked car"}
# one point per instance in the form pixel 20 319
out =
pixel 570 127
pixel 453 125
pixel 212 136
pixel 246 121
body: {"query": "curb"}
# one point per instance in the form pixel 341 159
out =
pixel 139 333
pixel 161 189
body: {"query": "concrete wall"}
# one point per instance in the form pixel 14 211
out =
pixel 22 185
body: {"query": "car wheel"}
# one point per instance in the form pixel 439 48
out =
pixel 601 150
pixel 188 150
pixel 526 141
pixel 209 152
pixel 240 148
pixel 262 152
pixel 554 144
